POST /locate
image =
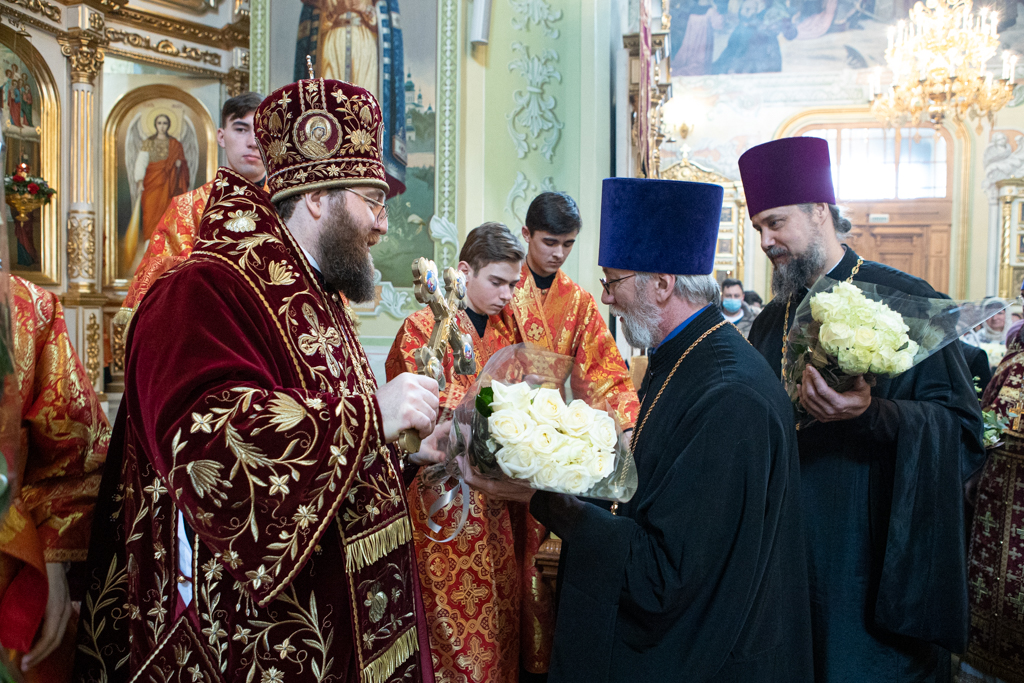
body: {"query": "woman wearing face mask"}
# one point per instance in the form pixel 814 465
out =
pixel 734 308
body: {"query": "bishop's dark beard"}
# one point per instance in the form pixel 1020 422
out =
pixel 345 260
pixel 788 278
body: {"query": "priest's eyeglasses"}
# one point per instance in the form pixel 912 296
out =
pixel 607 284
pixel 381 214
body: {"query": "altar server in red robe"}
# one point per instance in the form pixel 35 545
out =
pixel 55 475
pixel 554 312
pixel 261 527
pixel 483 571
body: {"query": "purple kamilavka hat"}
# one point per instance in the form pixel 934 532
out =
pixel 787 171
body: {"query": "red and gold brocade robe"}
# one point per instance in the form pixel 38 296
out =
pixel 995 571
pixel 250 407
pixel 565 319
pixel 170 244
pixel 63 438
pixel 473 587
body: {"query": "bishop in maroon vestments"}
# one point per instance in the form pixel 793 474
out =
pixel 260 529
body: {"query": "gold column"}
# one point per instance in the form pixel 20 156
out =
pixel 84 50
pixel 1011 263
pixel 83 304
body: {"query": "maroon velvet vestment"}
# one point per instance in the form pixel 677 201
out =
pixel 250 407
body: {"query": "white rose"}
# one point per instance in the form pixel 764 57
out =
pixel 517 461
pixel 510 396
pixel 600 463
pixel 510 426
pixel 578 418
pixel 574 479
pixel 571 451
pixel 547 407
pixel 866 338
pixel 545 440
pixel 603 433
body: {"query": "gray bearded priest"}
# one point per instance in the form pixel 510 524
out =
pixel 702 575
pixel 883 468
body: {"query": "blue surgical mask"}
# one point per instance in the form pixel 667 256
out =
pixel 732 305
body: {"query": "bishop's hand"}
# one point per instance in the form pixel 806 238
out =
pixel 434 449
pixel 408 402
pixel 827 405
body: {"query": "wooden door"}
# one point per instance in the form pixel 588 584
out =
pixel 912 236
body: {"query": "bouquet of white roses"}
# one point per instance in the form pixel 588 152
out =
pixel 520 422
pixel 851 329
pixel 542 440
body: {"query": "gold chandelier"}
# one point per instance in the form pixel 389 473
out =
pixel 938 61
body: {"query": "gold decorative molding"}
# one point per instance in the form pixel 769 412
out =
pixel 81 245
pixel 693 172
pixel 231 35
pixel 48 10
pixel 92 349
pixel 163 46
pixel 97 22
pixel 166 63
pixel 49 273
pixel 17 21
pixel 117 348
pixel 1011 194
pixel 194 6
pixel 237 82
pixel 84 49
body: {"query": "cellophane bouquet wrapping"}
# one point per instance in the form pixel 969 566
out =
pixel 520 422
pixel 852 329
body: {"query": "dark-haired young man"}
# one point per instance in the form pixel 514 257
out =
pixel 174 235
pixel 552 311
pixel 485 571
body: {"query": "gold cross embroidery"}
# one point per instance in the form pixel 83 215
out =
pixel 988 521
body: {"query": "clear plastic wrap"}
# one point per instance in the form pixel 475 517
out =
pixel 851 329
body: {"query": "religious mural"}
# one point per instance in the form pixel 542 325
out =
pixel 161 148
pixel 771 36
pixel 362 42
pixel 19 116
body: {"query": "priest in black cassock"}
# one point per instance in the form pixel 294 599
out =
pixel 884 467
pixel 702 575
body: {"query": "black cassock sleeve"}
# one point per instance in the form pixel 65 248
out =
pixel 690 561
pixel 923 588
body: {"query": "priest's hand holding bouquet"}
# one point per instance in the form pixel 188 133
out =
pixel 854 333
pixel 520 425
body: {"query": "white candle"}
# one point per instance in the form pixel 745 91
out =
pixel 1013 69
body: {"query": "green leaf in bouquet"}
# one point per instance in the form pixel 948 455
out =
pixel 484 400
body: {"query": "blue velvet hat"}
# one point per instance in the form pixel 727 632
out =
pixel 659 226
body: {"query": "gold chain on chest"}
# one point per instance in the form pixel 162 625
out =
pixel 636 434
pixel 785 321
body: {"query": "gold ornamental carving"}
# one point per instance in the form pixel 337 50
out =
pixel 117 331
pixel 92 349
pixel 81 246
pixel 230 36
pixel 164 47
pixel 85 52
pixel 1011 255
pixel 237 82
pixel 47 9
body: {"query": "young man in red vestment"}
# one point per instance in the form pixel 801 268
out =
pixel 174 236
pixel 478 573
pixel 552 311
pixel 261 530
pixel 64 435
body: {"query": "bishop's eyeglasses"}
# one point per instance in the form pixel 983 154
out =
pixel 381 214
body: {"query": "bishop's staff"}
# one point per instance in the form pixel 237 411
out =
pixel 445 307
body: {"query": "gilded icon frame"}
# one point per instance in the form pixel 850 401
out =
pixel 51 263
pixel 117 118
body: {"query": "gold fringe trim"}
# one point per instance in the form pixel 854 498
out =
pixel 367 550
pixel 379 669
